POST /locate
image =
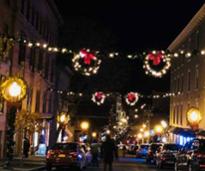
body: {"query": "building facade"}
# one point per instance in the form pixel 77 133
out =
pixel 36 21
pixel 187 77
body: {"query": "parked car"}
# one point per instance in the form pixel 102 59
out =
pixel 142 151
pixel 66 155
pixel 151 156
pixel 132 149
pixel 166 155
pixel 192 156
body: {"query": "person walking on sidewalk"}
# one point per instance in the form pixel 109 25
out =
pixel 26 147
pixel 108 151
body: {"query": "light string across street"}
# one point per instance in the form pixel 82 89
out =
pixel 156 63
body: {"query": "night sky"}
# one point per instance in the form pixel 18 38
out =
pixel 125 26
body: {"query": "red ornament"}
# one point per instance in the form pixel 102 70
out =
pixel 87 57
pixel 156 57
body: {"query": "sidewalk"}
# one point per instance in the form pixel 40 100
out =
pixel 33 163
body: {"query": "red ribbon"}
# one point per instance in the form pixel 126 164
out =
pixel 156 58
pixel 131 97
pixel 87 57
pixel 98 96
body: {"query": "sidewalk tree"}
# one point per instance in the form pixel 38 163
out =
pixel 28 122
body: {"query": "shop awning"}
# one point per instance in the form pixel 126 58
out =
pixel 186 132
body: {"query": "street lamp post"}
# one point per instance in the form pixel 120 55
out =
pixel 63 119
pixel 13 90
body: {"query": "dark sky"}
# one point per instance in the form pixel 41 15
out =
pixel 126 26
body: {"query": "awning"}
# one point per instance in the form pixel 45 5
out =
pixel 186 132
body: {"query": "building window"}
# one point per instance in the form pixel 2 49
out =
pixel 182 83
pixel 44 102
pixel 40 60
pixel 32 59
pixel 197 78
pixel 178 84
pixel 189 80
pixel 33 16
pixel 22 50
pixel 38 93
pixel 181 115
pixel 29 98
pixel 28 10
pixel 47 67
pixel 50 104
pixel 23 6
pixel 174 115
pixel 177 115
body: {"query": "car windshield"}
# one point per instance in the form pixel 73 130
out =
pixel 200 146
pixel 144 146
pixel 69 147
pixel 154 147
pixel 171 147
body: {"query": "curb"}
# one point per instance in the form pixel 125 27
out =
pixel 22 169
pixel 31 169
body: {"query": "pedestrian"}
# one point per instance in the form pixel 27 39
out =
pixel 108 151
pixel 26 147
pixel 95 153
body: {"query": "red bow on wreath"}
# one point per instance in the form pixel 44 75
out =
pixel 98 96
pixel 87 57
pixel 131 97
pixel 156 57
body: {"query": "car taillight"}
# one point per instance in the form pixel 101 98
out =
pixel 49 154
pixel 73 155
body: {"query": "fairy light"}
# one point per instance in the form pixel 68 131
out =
pixel 30 44
pixel 45 45
pixel 202 52
pixel 38 44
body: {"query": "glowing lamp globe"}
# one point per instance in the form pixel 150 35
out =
pixel 158 129
pixel 94 134
pixel 13 89
pixel 84 125
pixel 139 136
pixel 194 116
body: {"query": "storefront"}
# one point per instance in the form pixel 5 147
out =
pixel 181 135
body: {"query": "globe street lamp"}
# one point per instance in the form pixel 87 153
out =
pixel 164 124
pixel 94 134
pixel 158 129
pixel 84 125
pixel 194 117
pixel 13 90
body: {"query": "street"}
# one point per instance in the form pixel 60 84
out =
pixel 129 164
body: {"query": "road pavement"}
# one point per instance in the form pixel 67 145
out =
pixel 128 164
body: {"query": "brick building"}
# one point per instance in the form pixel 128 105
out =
pixel 187 77
pixel 38 21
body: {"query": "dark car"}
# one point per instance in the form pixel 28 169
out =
pixel 166 155
pixel 192 156
pixel 151 155
pixel 66 155
pixel 142 151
